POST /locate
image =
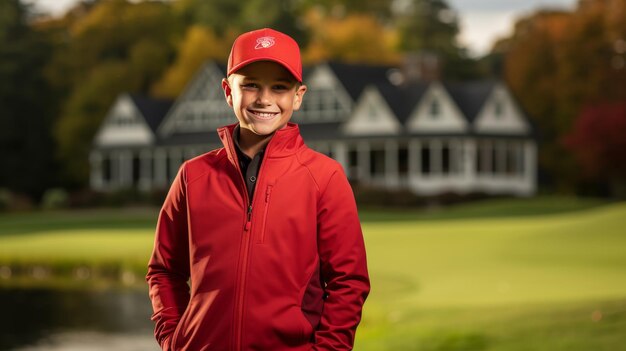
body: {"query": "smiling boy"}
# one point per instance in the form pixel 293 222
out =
pixel 265 229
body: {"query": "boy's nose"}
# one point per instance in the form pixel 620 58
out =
pixel 264 97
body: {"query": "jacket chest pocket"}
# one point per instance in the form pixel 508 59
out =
pixel 266 206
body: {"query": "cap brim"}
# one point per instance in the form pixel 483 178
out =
pixel 239 66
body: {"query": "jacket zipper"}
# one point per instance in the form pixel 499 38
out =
pixel 246 250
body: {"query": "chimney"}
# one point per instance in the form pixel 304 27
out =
pixel 421 66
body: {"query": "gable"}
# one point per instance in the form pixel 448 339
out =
pixel 500 114
pixel 201 106
pixel 436 112
pixel 372 116
pixel 124 125
pixel 325 100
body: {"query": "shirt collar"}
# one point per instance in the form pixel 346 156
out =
pixel 236 142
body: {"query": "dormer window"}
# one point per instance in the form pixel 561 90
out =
pixel 371 112
pixel 499 108
pixel 434 108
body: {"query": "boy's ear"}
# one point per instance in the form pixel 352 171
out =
pixel 227 92
pixel 297 102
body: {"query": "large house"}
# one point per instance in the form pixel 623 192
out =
pixel 387 130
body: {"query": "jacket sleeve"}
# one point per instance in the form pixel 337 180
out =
pixel 343 263
pixel 168 269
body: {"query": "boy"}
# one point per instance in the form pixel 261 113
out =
pixel 265 228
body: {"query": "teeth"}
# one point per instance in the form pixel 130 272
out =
pixel 263 114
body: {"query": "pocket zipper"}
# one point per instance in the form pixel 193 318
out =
pixel 268 192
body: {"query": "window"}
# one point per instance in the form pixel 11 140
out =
pixel 136 169
pixel 377 162
pixel 371 112
pixel 494 158
pixel 434 108
pixel 511 159
pixel 498 108
pixel 425 159
pixel 445 158
pixel 106 169
pixel 353 164
pixel 403 160
pixel 321 104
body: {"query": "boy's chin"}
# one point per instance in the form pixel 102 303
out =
pixel 265 129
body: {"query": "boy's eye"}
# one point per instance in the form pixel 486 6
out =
pixel 249 85
pixel 281 87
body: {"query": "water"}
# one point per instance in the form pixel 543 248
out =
pixel 85 320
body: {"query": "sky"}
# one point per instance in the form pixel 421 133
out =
pixel 482 21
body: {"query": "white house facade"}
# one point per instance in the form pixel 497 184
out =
pixel 427 137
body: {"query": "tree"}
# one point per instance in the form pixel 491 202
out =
pixel 116 46
pixel 598 141
pixel 355 38
pixel 224 16
pixel 558 62
pixel 431 26
pixel 199 45
pixel 26 148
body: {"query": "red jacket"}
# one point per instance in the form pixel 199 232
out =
pixel 287 273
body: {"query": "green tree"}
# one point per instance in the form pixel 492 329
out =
pixel 26 148
pixel 432 26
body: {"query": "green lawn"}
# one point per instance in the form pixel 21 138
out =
pixel 518 283
pixel 534 274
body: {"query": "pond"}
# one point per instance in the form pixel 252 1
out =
pixel 68 320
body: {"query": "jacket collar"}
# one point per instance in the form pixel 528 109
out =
pixel 284 142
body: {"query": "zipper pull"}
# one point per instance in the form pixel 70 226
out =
pixel 267 193
pixel 249 215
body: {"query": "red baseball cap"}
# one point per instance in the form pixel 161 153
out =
pixel 265 45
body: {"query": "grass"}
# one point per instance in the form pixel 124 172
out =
pixel 533 274
pixel 510 283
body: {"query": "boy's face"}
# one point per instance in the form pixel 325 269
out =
pixel 263 95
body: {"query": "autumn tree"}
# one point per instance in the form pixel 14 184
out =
pixel 199 45
pixel 598 140
pixel 558 62
pixel 115 46
pixel 224 16
pixel 358 38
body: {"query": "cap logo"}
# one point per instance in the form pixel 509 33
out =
pixel 264 43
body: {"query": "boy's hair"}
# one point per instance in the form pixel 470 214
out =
pixel 265 45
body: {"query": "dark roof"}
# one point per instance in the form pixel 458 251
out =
pixel 403 99
pixel 355 77
pixel 222 67
pixel 153 110
pixel 471 96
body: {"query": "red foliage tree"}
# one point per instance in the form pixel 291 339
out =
pixel 598 139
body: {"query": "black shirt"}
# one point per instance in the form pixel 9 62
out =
pixel 249 166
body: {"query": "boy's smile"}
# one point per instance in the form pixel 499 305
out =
pixel 263 96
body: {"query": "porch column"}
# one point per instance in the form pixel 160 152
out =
pixel 160 167
pixel 391 163
pixel 340 154
pixel 96 178
pixel 468 159
pixel 363 148
pixel 415 158
pixel 126 168
pixel 145 170
pixel 530 166
pixel 175 161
